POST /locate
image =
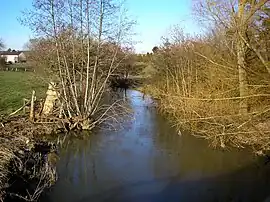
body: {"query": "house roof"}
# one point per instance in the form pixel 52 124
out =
pixel 10 52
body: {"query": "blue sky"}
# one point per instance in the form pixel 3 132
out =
pixel 154 18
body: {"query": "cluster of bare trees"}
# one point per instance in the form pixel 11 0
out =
pixel 218 84
pixel 79 44
pixel 1 44
pixel 243 22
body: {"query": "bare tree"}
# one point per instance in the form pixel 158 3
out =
pixel 2 60
pixel 216 85
pixel 2 45
pixel 85 38
pixel 236 17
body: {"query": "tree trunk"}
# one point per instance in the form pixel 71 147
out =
pixel 243 84
pixel 241 51
pixel 50 100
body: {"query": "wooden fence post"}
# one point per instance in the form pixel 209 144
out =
pixel 32 108
pixel 24 101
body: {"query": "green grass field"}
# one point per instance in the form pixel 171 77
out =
pixel 14 86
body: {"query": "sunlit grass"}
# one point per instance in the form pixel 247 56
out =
pixel 14 86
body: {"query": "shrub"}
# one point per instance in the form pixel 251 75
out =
pixel 197 84
pixel 2 62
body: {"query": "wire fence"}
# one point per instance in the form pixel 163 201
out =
pixel 17 69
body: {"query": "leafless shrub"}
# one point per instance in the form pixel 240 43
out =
pixel 197 83
pixel 81 43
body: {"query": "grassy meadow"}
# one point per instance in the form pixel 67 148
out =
pixel 14 86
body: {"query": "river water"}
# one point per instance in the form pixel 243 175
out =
pixel 147 161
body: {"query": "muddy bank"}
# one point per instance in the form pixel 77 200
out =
pixel 26 158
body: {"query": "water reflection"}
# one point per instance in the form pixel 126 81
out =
pixel 146 160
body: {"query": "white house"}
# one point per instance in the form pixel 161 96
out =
pixel 13 56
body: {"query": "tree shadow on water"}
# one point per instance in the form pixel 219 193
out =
pixel 251 183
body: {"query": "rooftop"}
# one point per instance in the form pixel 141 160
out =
pixel 10 52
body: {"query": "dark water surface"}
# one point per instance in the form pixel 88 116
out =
pixel 146 161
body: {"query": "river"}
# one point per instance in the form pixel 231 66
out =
pixel 147 161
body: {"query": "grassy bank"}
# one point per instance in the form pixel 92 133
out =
pixel 14 86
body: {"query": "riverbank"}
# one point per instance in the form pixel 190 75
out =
pixel 23 138
pixel 204 88
pixel 24 148
pixel 25 165
pixel 198 116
